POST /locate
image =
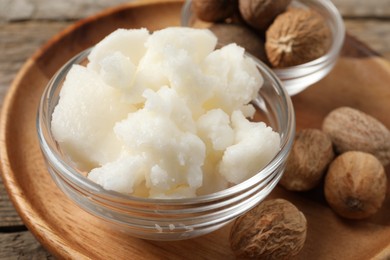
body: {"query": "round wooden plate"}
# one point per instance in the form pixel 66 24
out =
pixel 360 79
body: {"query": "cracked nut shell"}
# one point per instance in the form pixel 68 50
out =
pixel 275 229
pixel 214 10
pixel 309 158
pixel 242 36
pixel 297 36
pixel 355 185
pixel 353 130
pixel 259 14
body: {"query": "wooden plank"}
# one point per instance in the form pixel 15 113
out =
pixel 88 232
pixel 18 41
pixel 375 33
pixel 21 245
pixel 363 8
pixel 14 10
pixel 8 215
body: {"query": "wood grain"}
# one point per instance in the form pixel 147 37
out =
pixel 363 8
pixel 16 10
pixel 375 33
pixel 360 79
pixel 21 245
pixel 8 217
pixel 26 25
pixel 18 41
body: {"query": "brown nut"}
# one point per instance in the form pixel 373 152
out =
pixel 275 229
pixel 354 130
pixel 214 10
pixel 309 158
pixel 297 36
pixel 242 36
pixel 355 185
pixel 259 14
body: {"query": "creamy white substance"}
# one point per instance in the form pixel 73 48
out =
pixel 164 115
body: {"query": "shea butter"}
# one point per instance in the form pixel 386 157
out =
pixel 164 114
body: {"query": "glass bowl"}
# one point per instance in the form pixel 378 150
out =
pixel 168 219
pixel 297 78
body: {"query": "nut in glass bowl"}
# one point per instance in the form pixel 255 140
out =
pixel 168 219
pixel 298 77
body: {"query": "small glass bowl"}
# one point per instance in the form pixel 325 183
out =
pixel 297 78
pixel 169 219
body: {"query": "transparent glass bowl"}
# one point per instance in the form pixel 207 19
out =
pixel 298 78
pixel 168 219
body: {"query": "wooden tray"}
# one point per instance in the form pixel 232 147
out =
pixel 360 79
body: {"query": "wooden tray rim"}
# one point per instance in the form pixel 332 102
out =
pixel 44 234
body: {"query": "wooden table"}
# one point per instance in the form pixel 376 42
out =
pixel 26 25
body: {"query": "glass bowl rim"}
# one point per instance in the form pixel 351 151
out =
pixel 333 51
pixel 70 173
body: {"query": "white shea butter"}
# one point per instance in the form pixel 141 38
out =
pixel 164 115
